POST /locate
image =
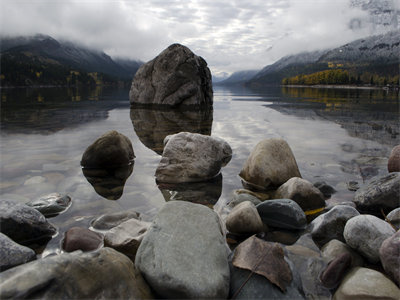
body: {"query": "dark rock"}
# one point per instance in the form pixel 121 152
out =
pixel 335 271
pixel 192 157
pixel 153 125
pixel 381 193
pixel 109 221
pixel 108 183
pixel 24 224
pixel 302 192
pixel 51 205
pixel 244 218
pixel 325 189
pixel 175 77
pixel 13 254
pixel 394 160
pixel 270 164
pixel 330 225
pixel 79 238
pixel 111 150
pixel 389 254
pixel 282 213
pixel 183 254
pixel 103 274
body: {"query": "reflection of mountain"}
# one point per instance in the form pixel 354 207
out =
pixel 152 126
pixel 49 110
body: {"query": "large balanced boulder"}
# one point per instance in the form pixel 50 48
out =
pixel 175 77
pixel 394 160
pixel 111 150
pixel 381 193
pixel 390 256
pixel 183 254
pixel 270 164
pixel 24 224
pixel 104 274
pixel 366 233
pixel 192 157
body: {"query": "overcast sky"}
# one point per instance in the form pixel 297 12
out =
pixel 230 35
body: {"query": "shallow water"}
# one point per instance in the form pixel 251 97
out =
pixel 337 136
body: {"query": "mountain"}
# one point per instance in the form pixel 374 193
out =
pixel 49 58
pixel 238 77
pixel 377 54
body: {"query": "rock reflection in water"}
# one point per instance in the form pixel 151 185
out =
pixel 108 183
pixel 206 193
pixel 153 125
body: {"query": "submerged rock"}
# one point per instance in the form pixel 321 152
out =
pixel 192 157
pixel 183 254
pixel 51 205
pixel 325 188
pixel 111 150
pixel 103 274
pixel 79 238
pixel 175 77
pixel 13 254
pixel 389 254
pixel 108 221
pixel 270 164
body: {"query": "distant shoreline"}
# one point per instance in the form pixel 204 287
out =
pixel 341 86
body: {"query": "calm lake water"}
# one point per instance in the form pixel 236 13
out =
pixel 337 136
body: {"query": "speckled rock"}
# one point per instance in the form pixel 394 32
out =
pixel 244 218
pixel 389 254
pixel 13 254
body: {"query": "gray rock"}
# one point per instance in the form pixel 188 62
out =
pixel 394 217
pixel 334 248
pixel 330 225
pixel 242 197
pixel 13 254
pixel 381 193
pixel 111 150
pixel 270 164
pixel 302 192
pixel 394 160
pixel 352 186
pixel 183 255
pixel 389 254
pixel 104 274
pixel 363 283
pixel 175 77
pixel 282 213
pixel 365 234
pixel 24 224
pixel 325 188
pixel 108 221
pixel 192 157
pixel 244 218
pixel 51 205
pixel 127 236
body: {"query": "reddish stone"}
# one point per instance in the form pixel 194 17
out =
pixel 389 254
pixel 79 238
pixel 335 271
pixel 394 160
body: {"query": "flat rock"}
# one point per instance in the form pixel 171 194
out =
pixel 192 157
pixel 111 150
pixel 79 238
pixel 394 160
pixel 104 274
pixel 303 192
pixel 13 254
pixel 175 77
pixel 108 221
pixel 183 254
pixel 330 225
pixel 335 248
pixel 389 254
pixel 51 205
pixel 282 213
pixel 380 193
pixel 365 234
pixel 24 224
pixel 244 218
pixel 270 164
pixel 363 283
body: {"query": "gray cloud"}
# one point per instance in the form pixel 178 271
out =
pixel 230 34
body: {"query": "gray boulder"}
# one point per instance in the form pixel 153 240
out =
pixel 175 77
pixel 13 254
pixel 24 224
pixel 330 225
pixel 303 192
pixel 111 150
pixel 192 157
pixel 244 218
pixel 335 248
pixel 270 164
pixel 381 193
pixel 389 254
pixel 394 217
pixel 183 255
pixel 52 204
pixel 104 274
pixel 363 283
pixel 366 233
pixel 282 213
